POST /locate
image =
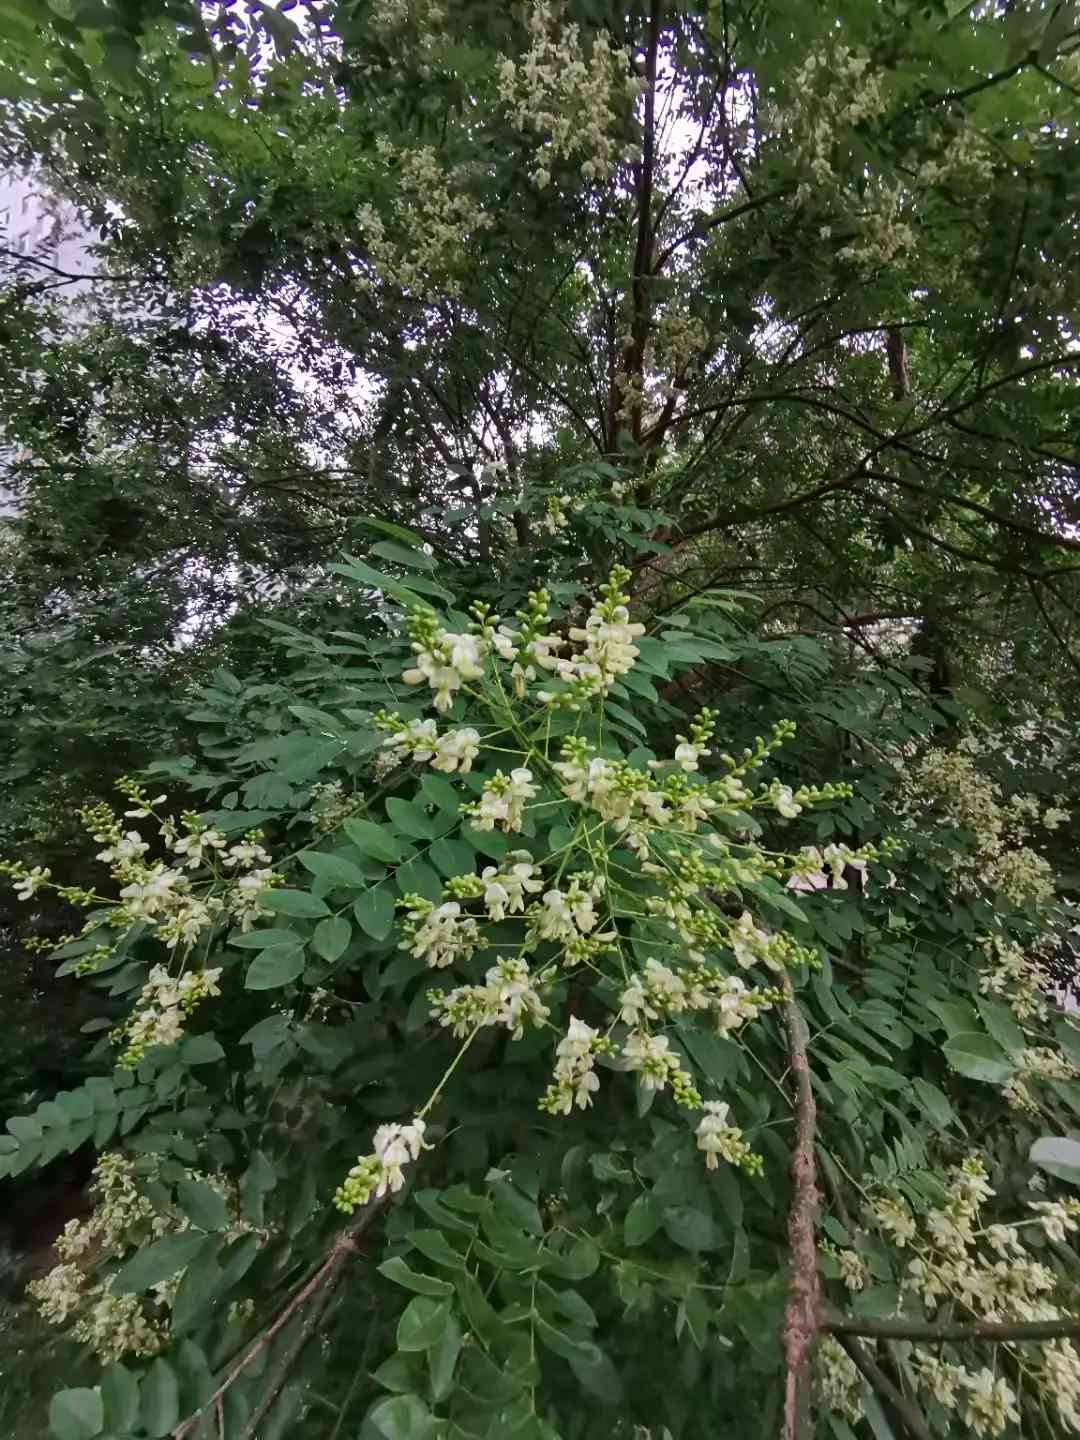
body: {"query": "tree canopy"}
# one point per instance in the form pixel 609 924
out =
pixel 560 523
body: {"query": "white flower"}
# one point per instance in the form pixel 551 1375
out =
pixel 989 1403
pixel 154 892
pixel 455 750
pixel 575 1080
pixel 122 851
pixel 634 1006
pixel 450 661
pixel 687 755
pixel 30 883
pixel 442 936
pixel 503 801
pixel 649 1054
pixel 718 1139
pixel 245 852
pixel 192 846
pixel 394 1147
pixel 784 800
pixel 749 943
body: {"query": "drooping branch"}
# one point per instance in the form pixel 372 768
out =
pixel 878 1381
pixel 932 1331
pixel 325 1278
pixel 801 1321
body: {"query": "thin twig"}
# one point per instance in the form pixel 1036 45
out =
pixel 876 1378
pixel 288 1357
pixel 343 1247
pixel 929 1331
pixel 801 1311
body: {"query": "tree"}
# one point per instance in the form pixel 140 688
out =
pixel 620 1034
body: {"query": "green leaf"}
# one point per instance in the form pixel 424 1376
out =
pixel 434 1244
pixel 1057 1156
pixel 76 1415
pixel 334 870
pixel 200 1050
pixel 422 1323
pixel 396 1270
pixel 402 1417
pixel 160 1395
pixel 263 939
pixel 376 841
pixel 120 1397
pixel 275 967
pixel 691 1228
pixel 294 902
pixel 410 819
pixel 401 555
pixel 643 1219
pixel 978 1056
pixel 331 937
pixel 453 857
pixel 442 1358
pixel 1001 1023
pixel 401 590
pixel 935 1104
pixel 374 912
pixel 203 1206
pixel 158 1261
pixel 570 1348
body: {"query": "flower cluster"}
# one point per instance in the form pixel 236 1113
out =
pixel 509 997
pixel 434 217
pixel 721 1141
pixel 330 806
pixel 383 1171
pixel 502 801
pixel 454 750
pixel 1017 975
pixel 444 660
pixel 528 646
pixel 164 1005
pixel 575 100
pixel 833 90
pixel 440 935
pixel 1036 1062
pixel 569 919
pixel 575 1080
pixel 660 991
pixel 123 1218
pixel 950 786
pixel 836 1380
pixel 988 1271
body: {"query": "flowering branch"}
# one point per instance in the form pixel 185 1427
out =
pixel 951 1330
pixel 326 1275
pixel 801 1320
pixel 879 1381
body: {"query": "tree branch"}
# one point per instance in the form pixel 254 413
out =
pixel 327 1274
pixel 801 1312
pixel 931 1331
pixel 877 1380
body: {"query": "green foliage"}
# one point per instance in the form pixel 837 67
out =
pixel 405 306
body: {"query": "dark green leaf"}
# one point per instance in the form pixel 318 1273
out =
pixel 203 1206
pixel 374 912
pixel 422 1323
pixel 159 1261
pixel 396 1270
pixel 294 902
pixel 160 1400
pixel 275 967
pixel 76 1415
pixel 331 937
